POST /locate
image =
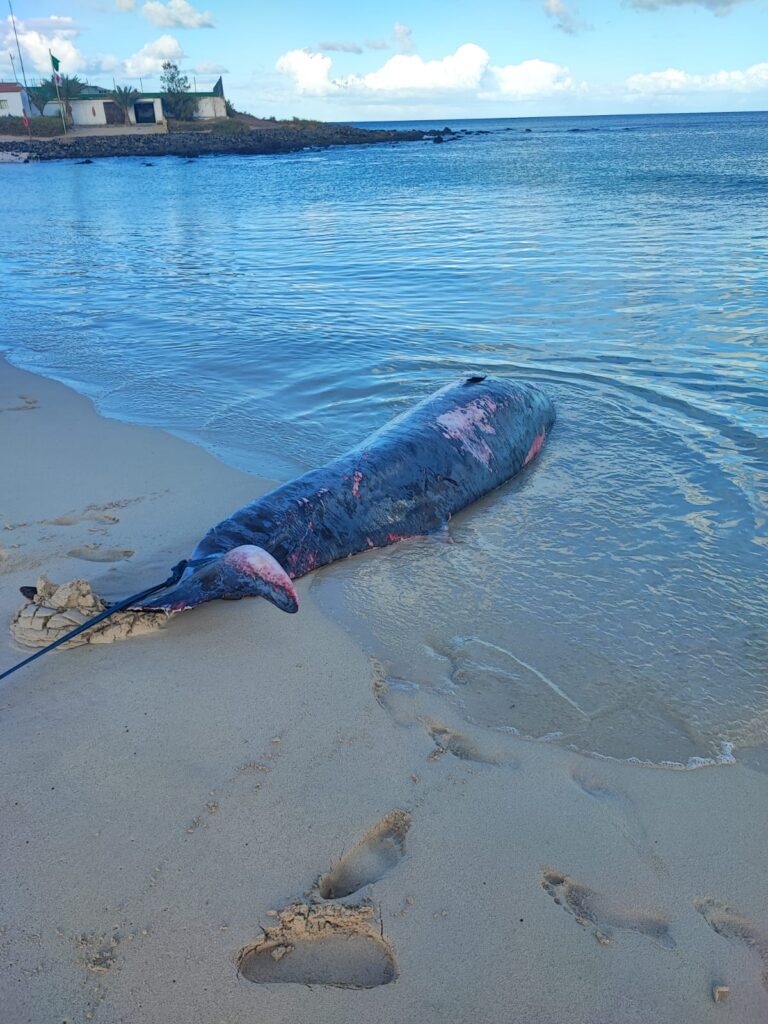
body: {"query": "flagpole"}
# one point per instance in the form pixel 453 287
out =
pixel 16 36
pixel 58 94
pixel 25 116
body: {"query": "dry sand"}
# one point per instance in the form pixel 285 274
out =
pixel 166 798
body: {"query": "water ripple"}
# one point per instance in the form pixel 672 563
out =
pixel 278 309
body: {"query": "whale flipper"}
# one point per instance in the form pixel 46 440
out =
pixel 245 571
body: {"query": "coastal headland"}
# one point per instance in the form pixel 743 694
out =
pixel 277 138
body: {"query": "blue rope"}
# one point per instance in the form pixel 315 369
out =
pixel 176 574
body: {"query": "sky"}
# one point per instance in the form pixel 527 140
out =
pixel 346 60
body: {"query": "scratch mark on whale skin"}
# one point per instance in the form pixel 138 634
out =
pixel 467 424
pixel 536 446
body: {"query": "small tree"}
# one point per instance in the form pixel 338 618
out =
pixel 177 101
pixel 125 96
pixel 70 86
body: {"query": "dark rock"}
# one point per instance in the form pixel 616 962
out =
pixel 85 161
pixel 193 144
pixel 438 138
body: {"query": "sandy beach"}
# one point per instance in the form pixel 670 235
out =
pixel 167 798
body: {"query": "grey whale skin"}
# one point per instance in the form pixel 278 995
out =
pixel 406 479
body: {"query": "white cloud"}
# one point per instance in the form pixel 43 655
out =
pixel 404 38
pixel 661 83
pixel 56 23
pixel 565 19
pixel 125 5
pixel 107 64
pixel 533 78
pixel 39 35
pixel 340 47
pixel 461 71
pixel 149 59
pixel 176 14
pixel 467 72
pixel 309 71
pixel 209 68
pixel 717 6
pixel 400 40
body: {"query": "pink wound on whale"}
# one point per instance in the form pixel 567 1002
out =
pixel 467 424
pixel 255 561
pixel 536 446
pixel 356 478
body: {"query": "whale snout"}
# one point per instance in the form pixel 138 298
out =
pixel 244 571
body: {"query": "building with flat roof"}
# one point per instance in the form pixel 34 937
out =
pixel 94 106
pixel 15 102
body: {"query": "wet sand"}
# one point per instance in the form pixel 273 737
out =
pixel 244 787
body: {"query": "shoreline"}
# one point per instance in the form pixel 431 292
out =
pixel 339 613
pixel 163 796
pixel 255 142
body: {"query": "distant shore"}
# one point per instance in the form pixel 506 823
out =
pixel 275 139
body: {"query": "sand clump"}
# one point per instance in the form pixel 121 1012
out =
pixel 56 609
pixel 339 946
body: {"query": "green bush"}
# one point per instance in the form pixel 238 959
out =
pixel 41 127
pixel 220 126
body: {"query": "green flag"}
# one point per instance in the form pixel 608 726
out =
pixel 54 62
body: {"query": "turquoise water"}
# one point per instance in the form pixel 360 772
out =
pixel 276 309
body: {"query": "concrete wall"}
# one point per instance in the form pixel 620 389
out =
pixel 11 104
pixel 90 113
pixel 211 106
pixel 84 112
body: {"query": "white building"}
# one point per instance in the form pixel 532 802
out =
pixel 14 101
pixel 95 106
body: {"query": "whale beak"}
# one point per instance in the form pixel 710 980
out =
pixel 245 571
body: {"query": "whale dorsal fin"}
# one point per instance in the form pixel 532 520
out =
pixel 473 380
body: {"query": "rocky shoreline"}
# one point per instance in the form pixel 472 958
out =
pixel 194 144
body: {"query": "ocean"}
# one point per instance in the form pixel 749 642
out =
pixel 275 310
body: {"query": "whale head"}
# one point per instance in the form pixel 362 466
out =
pixel 245 571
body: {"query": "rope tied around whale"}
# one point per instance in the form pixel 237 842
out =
pixel 176 573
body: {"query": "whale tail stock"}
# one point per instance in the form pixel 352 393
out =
pixel 245 571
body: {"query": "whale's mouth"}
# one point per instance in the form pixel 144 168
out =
pixel 245 571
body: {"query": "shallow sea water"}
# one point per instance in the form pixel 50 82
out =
pixel 276 309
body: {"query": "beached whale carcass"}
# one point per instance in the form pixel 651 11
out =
pixel 405 480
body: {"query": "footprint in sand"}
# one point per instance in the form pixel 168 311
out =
pixel 451 741
pixel 590 908
pixel 29 404
pixel 622 814
pixel 409 705
pixel 320 945
pixel 729 923
pixel 92 513
pixel 96 553
pixel 376 853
